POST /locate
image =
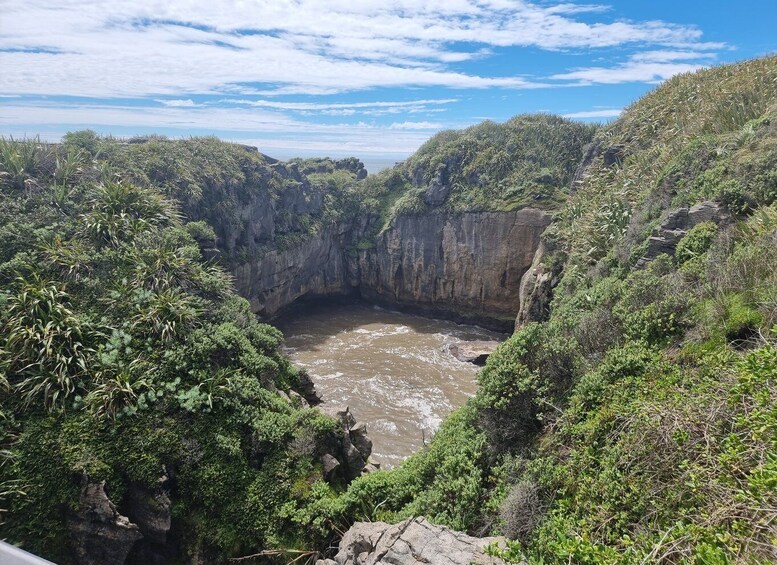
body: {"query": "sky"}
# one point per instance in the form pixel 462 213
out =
pixel 370 78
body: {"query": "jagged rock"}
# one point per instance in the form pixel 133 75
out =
pixel 410 542
pixel 371 468
pixel 475 352
pixel 355 445
pixel 676 224
pixel 99 534
pixel 536 291
pixel 307 389
pixel 331 465
pixel 590 151
pixel 340 413
pixel 150 510
pixel 361 440
pixel 436 194
pixel 354 460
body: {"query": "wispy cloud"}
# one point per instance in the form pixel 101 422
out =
pixel 647 66
pixel 416 125
pixel 588 114
pixel 142 48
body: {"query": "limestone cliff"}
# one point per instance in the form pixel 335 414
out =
pixel 468 264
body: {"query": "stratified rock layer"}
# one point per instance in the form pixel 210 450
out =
pixel 466 263
pixel 410 542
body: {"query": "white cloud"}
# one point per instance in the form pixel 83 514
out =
pixel 279 130
pixel 120 48
pixel 188 103
pixel 630 71
pixel 415 125
pixel 603 113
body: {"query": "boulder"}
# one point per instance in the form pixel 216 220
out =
pixel 475 352
pixel 411 542
pixel 354 446
pixel 99 534
pixel 361 439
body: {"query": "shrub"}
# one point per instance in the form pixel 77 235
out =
pixel 696 242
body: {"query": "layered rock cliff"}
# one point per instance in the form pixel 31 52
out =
pixel 467 265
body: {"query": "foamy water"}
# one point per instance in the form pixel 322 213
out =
pixel 392 369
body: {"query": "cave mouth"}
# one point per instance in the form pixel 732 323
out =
pixel 393 369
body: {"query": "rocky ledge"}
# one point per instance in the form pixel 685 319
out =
pixel 475 352
pixel 411 542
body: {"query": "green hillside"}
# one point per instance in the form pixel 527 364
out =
pixel 637 424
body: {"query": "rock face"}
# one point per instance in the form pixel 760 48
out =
pixel 411 542
pixel 98 532
pixel 475 352
pixel 536 290
pixel 464 263
pixel 676 224
pixel 279 277
pixel 467 265
pixel 461 265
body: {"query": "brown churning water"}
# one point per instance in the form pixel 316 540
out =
pixel 392 369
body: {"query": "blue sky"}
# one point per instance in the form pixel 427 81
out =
pixel 371 78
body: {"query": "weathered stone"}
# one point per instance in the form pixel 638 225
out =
pixel 536 291
pixel 354 461
pixel 475 352
pixel 340 413
pixel 361 439
pixel 351 457
pixel 411 542
pixel 331 464
pixel 150 510
pixel 470 262
pixel 99 534
pixel 590 151
pixel 307 389
pixel 676 224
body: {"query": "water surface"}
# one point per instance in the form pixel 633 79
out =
pixel 392 369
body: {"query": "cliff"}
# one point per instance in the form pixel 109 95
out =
pixel 467 264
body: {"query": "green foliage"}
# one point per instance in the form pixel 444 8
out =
pixel 528 160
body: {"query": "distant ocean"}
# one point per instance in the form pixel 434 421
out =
pixel 375 165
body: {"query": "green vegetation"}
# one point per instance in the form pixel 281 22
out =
pixel 528 160
pixel 125 357
pixel 638 423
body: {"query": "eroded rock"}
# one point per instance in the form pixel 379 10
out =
pixel 536 291
pixel 475 352
pixel 410 542
pixel 351 456
pixel 99 534
pixel 676 225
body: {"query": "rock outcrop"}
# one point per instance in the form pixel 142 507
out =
pixel 676 225
pixel 536 290
pixel 475 352
pixel 99 534
pixel 411 542
pixel 349 458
